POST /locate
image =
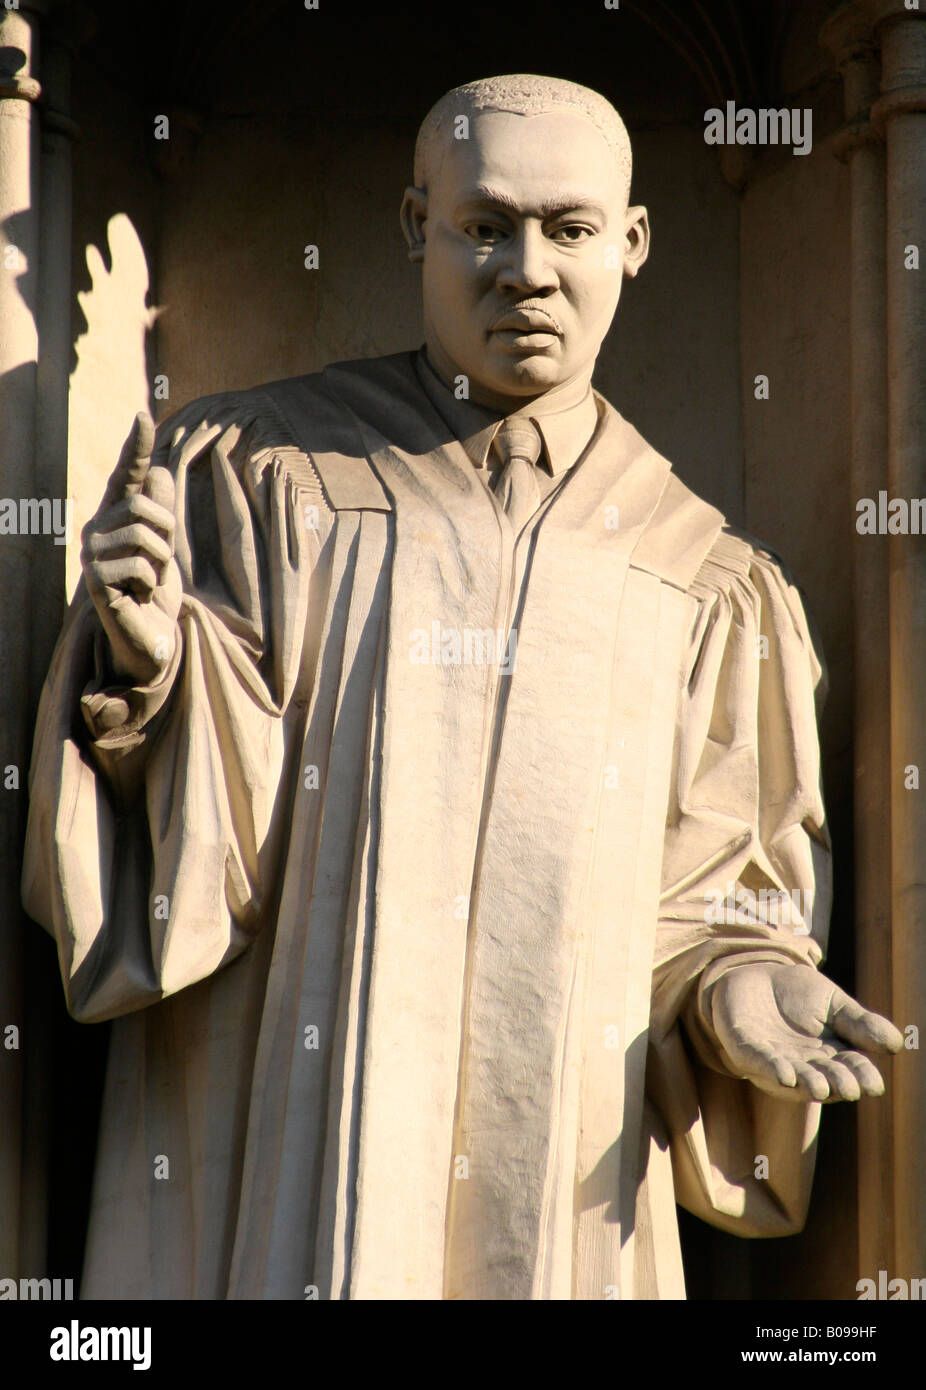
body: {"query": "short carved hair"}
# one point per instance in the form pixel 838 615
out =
pixel 522 94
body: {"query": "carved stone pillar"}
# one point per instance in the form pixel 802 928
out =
pixel 58 131
pixel 901 111
pixel 35 347
pixel 848 36
pixel 889 352
pixel 61 30
pixel 19 254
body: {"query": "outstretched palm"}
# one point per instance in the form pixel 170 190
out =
pixel 793 1033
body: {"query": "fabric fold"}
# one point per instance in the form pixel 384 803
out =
pixel 428 936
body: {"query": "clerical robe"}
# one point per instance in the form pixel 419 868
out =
pixel 407 933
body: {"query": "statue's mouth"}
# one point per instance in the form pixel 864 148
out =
pixel 526 321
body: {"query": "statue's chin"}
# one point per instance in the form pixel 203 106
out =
pixel 522 376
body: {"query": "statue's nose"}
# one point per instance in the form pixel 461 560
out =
pixel 527 266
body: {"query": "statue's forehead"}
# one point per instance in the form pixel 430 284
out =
pixel 524 129
pixel 550 149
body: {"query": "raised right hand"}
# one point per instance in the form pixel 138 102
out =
pixel 128 561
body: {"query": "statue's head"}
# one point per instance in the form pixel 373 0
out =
pixel 520 219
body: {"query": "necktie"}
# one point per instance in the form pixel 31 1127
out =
pixel 517 444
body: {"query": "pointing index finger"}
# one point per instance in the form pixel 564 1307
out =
pixel 134 461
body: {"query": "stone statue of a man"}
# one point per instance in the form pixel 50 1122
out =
pixel 418 783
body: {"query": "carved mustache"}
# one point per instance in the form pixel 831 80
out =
pixel 529 315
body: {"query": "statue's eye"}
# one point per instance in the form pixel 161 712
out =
pixel 573 233
pixel 485 232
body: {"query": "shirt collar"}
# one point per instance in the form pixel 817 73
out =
pixel 566 418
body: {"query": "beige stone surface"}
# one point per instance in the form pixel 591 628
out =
pixel 491 900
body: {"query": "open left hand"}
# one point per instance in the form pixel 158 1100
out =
pixel 793 1033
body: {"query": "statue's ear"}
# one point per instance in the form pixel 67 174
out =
pixel 636 240
pixel 413 216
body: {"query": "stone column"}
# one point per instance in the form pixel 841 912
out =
pixel 54 317
pixel 848 36
pixel 19 251
pixel 892 1169
pixel 901 112
pixel 61 30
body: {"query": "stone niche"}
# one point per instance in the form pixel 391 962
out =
pixel 290 128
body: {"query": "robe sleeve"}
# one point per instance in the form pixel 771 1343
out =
pixel 155 812
pixel 746 878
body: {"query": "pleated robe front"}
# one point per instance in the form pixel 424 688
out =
pixel 408 957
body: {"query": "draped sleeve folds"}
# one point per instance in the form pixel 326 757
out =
pixel 746 878
pixel 156 873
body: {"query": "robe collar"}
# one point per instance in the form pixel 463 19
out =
pixel 566 420
pixel 342 419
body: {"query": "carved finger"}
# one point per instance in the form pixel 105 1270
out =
pixel 860 1026
pixel 127 510
pixel 159 488
pixel 811 1081
pixel 128 540
pixel 843 1083
pixel 869 1078
pixel 133 574
pixel 134 461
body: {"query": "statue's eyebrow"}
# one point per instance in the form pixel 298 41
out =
pixel 484 194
